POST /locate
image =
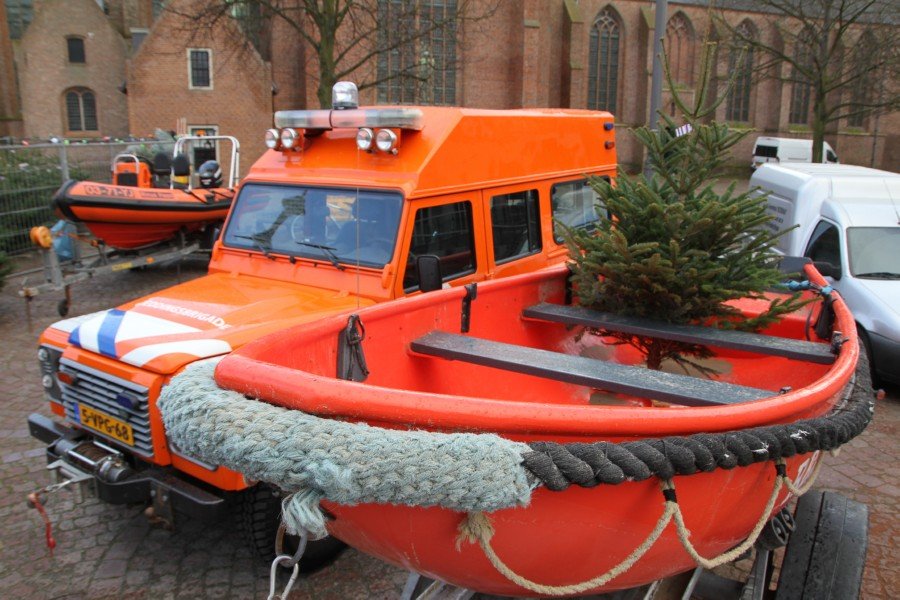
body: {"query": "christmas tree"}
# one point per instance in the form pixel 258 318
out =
pixel 669 247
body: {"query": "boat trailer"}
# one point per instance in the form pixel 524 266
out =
pixel 60 275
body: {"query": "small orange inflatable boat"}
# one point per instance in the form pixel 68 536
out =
pixel 513 357
pixel 144 206
pixel 126 217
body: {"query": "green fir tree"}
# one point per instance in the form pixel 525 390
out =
pixel 670 247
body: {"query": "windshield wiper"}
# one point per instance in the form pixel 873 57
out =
pixel 328 251
pixel 261 243
pixel 880 275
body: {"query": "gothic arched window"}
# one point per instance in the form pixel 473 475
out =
pixel 680 49
pixel 740 66
pixel 801 90
pixel 603 59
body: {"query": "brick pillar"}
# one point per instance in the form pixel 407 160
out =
pixel 574 91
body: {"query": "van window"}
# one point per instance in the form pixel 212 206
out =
pixel 574 204
pixel 516 225
pixel 447 232
pixel 766 151
pixel 830 156
pixel 824 245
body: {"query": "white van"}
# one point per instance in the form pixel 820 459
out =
pixel 788 150
pixel 848 222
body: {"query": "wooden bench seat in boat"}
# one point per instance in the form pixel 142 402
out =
pixel 636 381
pixel 693 334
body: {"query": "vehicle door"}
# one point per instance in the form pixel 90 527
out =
pixel 450 227
pixel 515 229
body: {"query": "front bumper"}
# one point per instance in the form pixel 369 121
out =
pixel 886 357
pixel 117 479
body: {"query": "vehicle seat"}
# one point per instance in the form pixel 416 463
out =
pixel 181 171
pixel 162 169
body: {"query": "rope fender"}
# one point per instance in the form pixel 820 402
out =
pixel 349 463
pixel 589 464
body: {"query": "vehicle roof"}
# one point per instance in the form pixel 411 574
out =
pixel 866 197
pixel 457 149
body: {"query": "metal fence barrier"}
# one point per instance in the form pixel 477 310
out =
pixel 29 175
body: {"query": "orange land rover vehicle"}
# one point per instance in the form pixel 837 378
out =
pixel 349 207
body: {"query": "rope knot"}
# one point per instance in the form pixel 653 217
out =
pixel 476 527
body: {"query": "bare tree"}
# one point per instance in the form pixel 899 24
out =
pixel 407 43
pixel 841 57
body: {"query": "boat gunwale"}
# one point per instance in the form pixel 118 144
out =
pixel 378 405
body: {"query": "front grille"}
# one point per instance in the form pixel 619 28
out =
pixel 98 390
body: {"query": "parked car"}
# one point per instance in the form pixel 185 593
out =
pixel 847 220
pixel 788 150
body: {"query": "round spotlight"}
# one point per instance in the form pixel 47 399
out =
pixel 386 140
pixel 364 138
pixel 289 138
pixel 47 381
pixel 43 355
pixel 273 139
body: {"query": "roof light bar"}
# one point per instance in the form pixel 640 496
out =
pixel 401 118
pixel 303 119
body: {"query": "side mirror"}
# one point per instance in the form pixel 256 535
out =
pixel 428 268
pixel 827 269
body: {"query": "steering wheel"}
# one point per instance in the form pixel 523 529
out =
pixel 291 228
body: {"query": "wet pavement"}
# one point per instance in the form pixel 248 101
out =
pixel 114 552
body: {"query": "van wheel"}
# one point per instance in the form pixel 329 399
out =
pixel 826 553
pixel 866 346
pixel 259 515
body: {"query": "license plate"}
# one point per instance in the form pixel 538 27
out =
pixel 106 425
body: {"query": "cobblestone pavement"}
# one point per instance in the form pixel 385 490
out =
pixel 113 552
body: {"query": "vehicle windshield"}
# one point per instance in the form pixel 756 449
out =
pixel 341 226
pixel 874 252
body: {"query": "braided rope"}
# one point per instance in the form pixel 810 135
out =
pixel 558 466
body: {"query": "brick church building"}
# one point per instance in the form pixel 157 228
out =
pixel 94 68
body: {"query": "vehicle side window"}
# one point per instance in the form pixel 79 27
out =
pixel 445 231
pixel 824 245
pixel 831 156
pixel 516 225
pixel 766 151
pixel 574 204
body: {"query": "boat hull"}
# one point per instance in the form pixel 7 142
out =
pixel 560 538
pixel 132 217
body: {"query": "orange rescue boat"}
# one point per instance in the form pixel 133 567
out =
pixel 513 357
pixel 136 211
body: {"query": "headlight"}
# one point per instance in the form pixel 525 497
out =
pixel 364 139
pixel 289 138
pixel 49 357
pixel 386 140
pixel 273 139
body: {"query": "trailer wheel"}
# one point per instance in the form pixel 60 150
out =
pixel 826 553
pixel 259 515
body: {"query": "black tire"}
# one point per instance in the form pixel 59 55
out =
pixel 259 515
pixel 826 553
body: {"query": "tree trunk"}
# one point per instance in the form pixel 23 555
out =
pixel 654 356
pixel 819 123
